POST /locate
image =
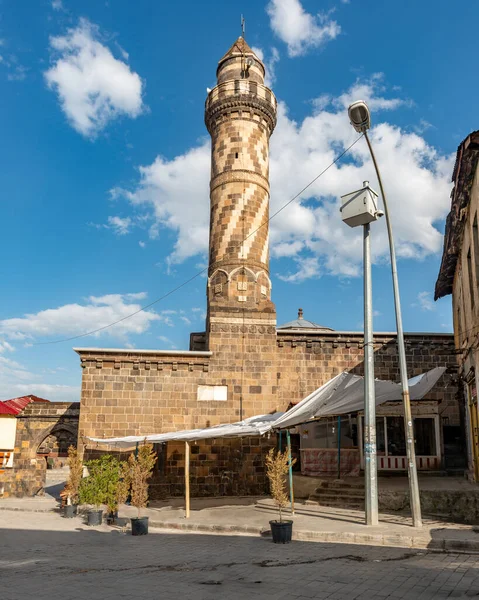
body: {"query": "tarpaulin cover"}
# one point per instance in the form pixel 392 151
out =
pixel 345 394
pixel 254 426
pixel 341 395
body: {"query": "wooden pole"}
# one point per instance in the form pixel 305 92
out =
pixel 279 439
pixel 291 491
pixel 187 480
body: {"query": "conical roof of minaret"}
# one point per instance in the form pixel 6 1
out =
pixel 237 49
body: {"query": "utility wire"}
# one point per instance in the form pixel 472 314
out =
pixel 178 287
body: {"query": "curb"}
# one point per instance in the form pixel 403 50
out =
pixel 52 509
pixel 397 541
pixel 330 537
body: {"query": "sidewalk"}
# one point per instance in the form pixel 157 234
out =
pixel 251 516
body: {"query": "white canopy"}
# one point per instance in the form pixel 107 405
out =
pixel 345 394
pixel 254 426
pixel 341 395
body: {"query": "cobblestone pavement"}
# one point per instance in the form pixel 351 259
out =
pixel 43 556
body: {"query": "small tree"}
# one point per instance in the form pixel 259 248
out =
pixel 277 466
pixel 112 470
pixel 124 483
pixel 140 471
pixel 75 476
pixel 95 489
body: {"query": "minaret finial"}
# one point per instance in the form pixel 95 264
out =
pixel 300 313
pixel 243 26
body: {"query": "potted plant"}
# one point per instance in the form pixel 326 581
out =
pixel 70 492
pixel 277 466
pixel 93 489
pixel 140 469
pixel 117 485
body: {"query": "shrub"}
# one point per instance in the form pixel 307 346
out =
pixel 98 487
pixel 75 475
pixel 277 466
pixel 140 469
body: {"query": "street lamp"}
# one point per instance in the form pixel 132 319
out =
pixel 360 118
pixel 361 208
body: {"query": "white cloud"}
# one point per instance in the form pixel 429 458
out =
pixel 269 63
pixel 55 393
pixel 76 319
pixel 425 301
pixel 176 192
pixel 93 86
pixel 416 178
pixel 57 5
pixel 16 380
pixel 283 249
pixel 167 340
pixel 307 267
pixel 141 244
pixel 120 226
pixel 369 91
pixel 186 320
pixel 299 29
pixel 5 347
pixel 18 73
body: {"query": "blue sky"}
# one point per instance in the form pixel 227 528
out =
pixel 105 164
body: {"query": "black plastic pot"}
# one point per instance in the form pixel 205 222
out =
pixel 95 517
pixel 70 511
pixel 139 526
pixel 281 531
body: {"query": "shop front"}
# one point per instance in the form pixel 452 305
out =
pixel 333 446
pixel 391 441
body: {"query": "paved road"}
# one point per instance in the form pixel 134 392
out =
pixel 43 556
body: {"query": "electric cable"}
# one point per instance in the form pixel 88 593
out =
pixel 199 273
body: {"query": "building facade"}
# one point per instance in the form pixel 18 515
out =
pixel 459 276
pixel 34 435
pixel 243 364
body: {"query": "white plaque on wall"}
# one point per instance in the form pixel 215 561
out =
pixel 218 393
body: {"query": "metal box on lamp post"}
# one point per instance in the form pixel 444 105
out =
pixel 360 207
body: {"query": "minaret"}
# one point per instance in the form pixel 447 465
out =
pixel 240 115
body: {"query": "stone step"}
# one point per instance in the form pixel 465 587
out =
pixel 340 498
pixel 338 484
pixel 337 503
pixel 346 493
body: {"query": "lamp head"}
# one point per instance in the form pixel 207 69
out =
pixel 359 116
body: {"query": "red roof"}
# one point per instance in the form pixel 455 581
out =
pixel 18 404
pixel 6 410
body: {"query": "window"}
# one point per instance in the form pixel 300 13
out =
pixel 396 439
pixel 380 439
pixel 425 435
pixel 324 433
pixel 391 441
pixel 471 281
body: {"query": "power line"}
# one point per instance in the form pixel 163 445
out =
pixel 187 281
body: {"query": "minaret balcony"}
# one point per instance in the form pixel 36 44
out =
pixel 240 94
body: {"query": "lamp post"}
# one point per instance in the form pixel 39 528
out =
pixel 360 208
pixel 360 118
